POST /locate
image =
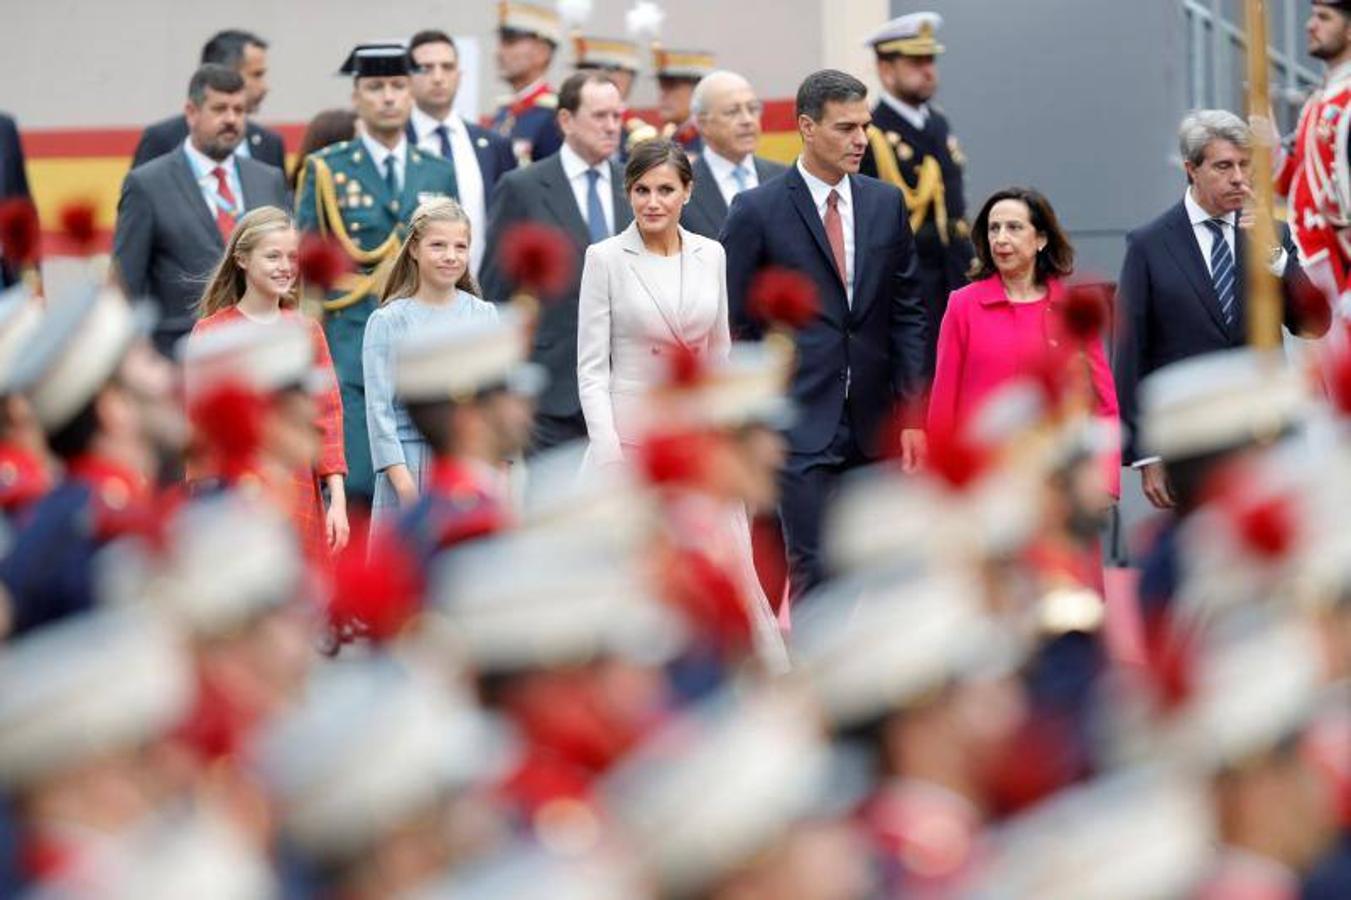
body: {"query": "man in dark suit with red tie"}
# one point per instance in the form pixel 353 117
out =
pixel 246 53
pixel 865 351
pixel 177 211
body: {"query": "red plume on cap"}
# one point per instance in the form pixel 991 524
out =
pixel 676 458
pixel 228 419
pixel 1264 517
pixel 686 366
pixel 537 258
pixel 19 235
pixel 1083 314
pixel 780 296
pixel 377 587
pixel 79 224
pixel 322 262
pixel 710 600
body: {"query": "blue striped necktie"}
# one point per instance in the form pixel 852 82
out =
pixel 1222 272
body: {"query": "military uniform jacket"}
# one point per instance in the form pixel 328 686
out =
pixel 928 166
pixel 530 125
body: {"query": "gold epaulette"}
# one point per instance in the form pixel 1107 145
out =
pixel 329 217
pixel 929 190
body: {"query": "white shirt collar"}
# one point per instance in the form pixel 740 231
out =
pixel 915 115
pixel 202 164
pixel 574 165
pixel 1197 215
pixel 1338 75
pixel 722 167
pixel 821 191
pixel 379 152
pixel 424 124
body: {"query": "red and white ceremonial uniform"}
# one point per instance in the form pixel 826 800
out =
pixel 1314 178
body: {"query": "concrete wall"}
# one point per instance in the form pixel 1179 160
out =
pixel 1078 98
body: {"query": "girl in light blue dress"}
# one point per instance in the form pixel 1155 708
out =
pixel 429 283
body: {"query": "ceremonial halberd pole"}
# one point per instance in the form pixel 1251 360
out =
pixel 1264 300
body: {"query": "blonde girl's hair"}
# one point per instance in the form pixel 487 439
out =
pixel 403 275
pixel 227 284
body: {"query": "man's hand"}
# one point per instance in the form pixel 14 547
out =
pixel 914 449
pixel 1154 481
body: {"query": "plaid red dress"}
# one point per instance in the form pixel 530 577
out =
pixel 300 497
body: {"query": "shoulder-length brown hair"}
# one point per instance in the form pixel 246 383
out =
pixel 403 280
pixel 1055 260
pixel 227 284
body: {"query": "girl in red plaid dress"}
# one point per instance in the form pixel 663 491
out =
pixel 257 281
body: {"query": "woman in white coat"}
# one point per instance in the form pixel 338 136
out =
pixel 649 289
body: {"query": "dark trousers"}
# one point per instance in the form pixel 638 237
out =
pixel 808 483
pixel 554 431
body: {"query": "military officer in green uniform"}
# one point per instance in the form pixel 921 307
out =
pixel 361 193
pixel 911 145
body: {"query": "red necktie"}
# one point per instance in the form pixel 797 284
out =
pixel 225 217
pixel 835 234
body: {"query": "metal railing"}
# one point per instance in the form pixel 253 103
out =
pixel 1216 45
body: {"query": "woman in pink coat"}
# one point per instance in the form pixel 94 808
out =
pixel 1006 324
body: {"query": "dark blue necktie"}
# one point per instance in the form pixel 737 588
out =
pixel 595 213
pixel 1222 272
pixel 391 177
pixel 449 156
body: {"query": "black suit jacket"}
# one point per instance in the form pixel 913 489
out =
pixel 168 134
pixel 13 178
pixel 1168 310
pixel 166 242
pixel 492 151
pixel 874 347
pixel 707 211
pixel 540 193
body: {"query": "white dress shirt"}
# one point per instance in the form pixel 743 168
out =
pixel 574 167
pixel 468 178
pixel 203 169
pixel 1205 238
pixel 724 170
pixel 820 195
pixel 915 115
pixel 379 153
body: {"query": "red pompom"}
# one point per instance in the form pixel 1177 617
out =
pixel 710 599
pixel 78 223
pixel 955 458
pixel 537 258
pixel 228 419
pixel 19 234
pixel 1084 312
pixel 1269 526
pixel 322 262
pixel 377 587
pixel 674 458
pixel 685 366
pixel 1339 381
pixel 780 296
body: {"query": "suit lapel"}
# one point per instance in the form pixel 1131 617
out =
pixel 1187 253
pixel 633 249
pixel 707 198
pixel 557 196
pixel 623 212
pixel 861 198
pixel 181 172
pixel 802 201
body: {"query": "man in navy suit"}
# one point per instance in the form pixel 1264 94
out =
pixel 479 156
pixel 246 53
pixel 13 178
pixel 1183 290
pixel 865 351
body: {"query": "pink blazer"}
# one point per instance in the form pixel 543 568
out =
pixel 985 340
